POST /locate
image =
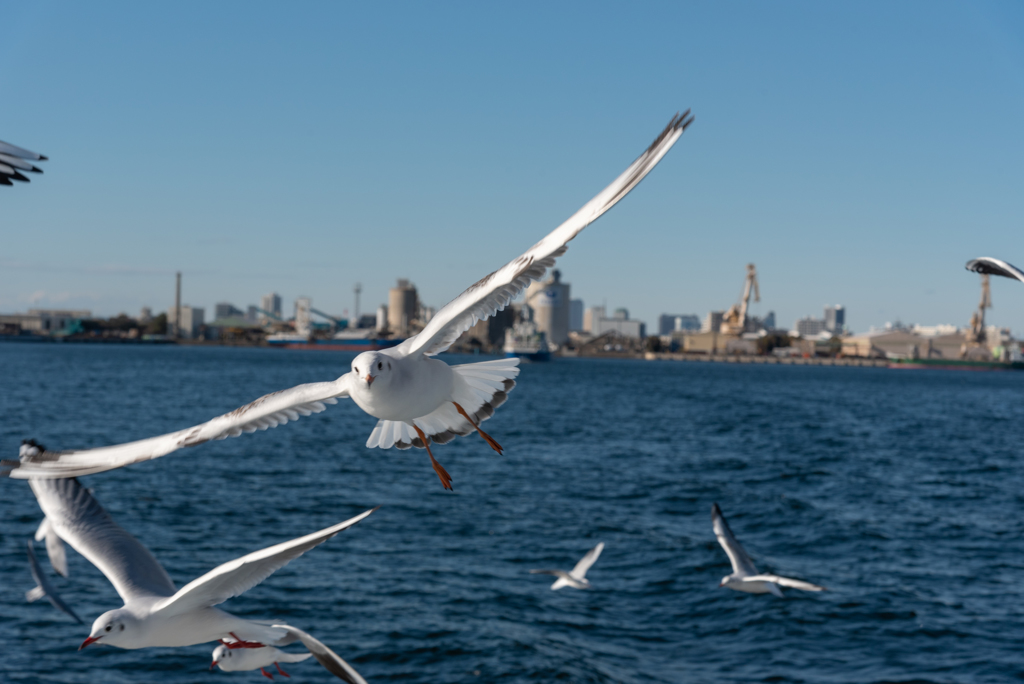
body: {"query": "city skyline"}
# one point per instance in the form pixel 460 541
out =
pixel 857 154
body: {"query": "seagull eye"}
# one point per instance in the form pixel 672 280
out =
pixel 357 371
pixel 122 628
pixel 380 366
pixel 108 627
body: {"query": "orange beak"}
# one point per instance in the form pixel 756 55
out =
pixel 369 380
pixel 90 640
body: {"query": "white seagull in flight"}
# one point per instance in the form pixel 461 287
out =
pixel 239 659
pixel 577 577
pixel 745 576
pixel 417 399
pixel 43 588
pixel 155 612
pixel 14 160
pixel 995 267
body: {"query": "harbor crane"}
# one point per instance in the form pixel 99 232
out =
pixel 975 337
pixel 734 322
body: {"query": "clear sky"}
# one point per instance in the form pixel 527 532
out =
pixel 858 153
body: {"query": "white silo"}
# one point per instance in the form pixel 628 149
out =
pixel 550 303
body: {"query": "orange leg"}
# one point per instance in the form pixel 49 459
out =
pixel 487 437
pixel 446 479
pixel 267 674
pixel 281 671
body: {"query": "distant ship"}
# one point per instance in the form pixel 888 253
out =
pixel 346 340
pixel 523 340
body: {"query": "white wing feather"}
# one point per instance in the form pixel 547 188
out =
pixel 995 267
pixel 580 571
pixel 266 412
pixel 494 292
pixel 54 547
pixel 741 562
pixel 238 576
pixel 784 581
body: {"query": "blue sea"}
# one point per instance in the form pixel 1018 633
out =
pixel 901 491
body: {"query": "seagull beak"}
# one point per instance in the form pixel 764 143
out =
pixel 213 664
pixel 90 640
pixel 369 380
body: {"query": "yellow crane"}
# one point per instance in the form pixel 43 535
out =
pixel 734 320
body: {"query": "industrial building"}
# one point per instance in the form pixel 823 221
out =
pixel 403 307
pixel 271 303
pixel 188 319
pixel 550 303
pixel 670 323
pixel 45 320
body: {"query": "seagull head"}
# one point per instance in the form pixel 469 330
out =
pixel 220 654
pixel 371 366
pixel 726 581
pixel 113 627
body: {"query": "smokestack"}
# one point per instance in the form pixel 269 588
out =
pixel 358 289
pixel 177 307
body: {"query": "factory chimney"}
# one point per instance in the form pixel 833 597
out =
pixel 177 306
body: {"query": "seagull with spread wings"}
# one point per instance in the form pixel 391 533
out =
pixel 994 266
pixel 235 660
pixel 14 160
pixel 577 577
pixel 417 398
pixel 745 576
pixel 155 612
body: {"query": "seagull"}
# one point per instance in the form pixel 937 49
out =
pixel 14 160
pixel 233 660
pixel 745 576
pixel 995 267
pixel 54 547
pixel 155 613
pixel 576 578
pixel 44 588
pixel 417 399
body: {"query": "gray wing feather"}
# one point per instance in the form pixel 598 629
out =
pixel 83 523
pixel 995 267
pixel 54 547
pixel 331 661
pixel 785 582
pixel 14 160
pixel 44 584
pixel 741 562
pixel 493 292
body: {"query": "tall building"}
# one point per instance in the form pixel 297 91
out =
pixel 271 303
pixel 191 321
pixel 810 327
pixel 225 310
pixel 382 318
pixel 303 325
pixel 403 306
pixel 670 323
pixel 712 322
pixel 576 315
pixel 550 303
pixel 590 318
pixel 769 321
pixel 835 318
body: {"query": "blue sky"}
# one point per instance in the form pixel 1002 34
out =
pixel 858 153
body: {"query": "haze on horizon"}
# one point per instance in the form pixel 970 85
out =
pixel 858 154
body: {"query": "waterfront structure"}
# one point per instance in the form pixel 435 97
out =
pixel 303 325
pixel 145 315
pixel 190 321
pixel 550 303
pixel 809 327
pixel 272 303
pixel 403 306
pixel 46 321
pixel 670 323
pixel 622 324
pixel 576 315
pixel 712 322
pixel 590 318
pixel 835 318
pixel 382 318
pixel 226 310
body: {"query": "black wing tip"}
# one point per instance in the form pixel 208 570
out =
pixel 43 157
pixel 678 122
pixel 715 510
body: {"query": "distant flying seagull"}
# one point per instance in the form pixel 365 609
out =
pixel 577 577
pixel 155 613
pixel 233 660
pixel 43 587
pixel 417 398
pixel 745 576
pixel 995 267
pixel 14 160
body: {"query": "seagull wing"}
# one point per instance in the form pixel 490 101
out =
pixel 557 573
pixel 268 411
pixel 494 292
pixel 580 571
pixel 741 562
pixel 54 547
pixel 14 160
pixel 995 267
pixel 242 574
pixel 784 581
pixel 44 584
pixel 325 656
pixel 82 522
